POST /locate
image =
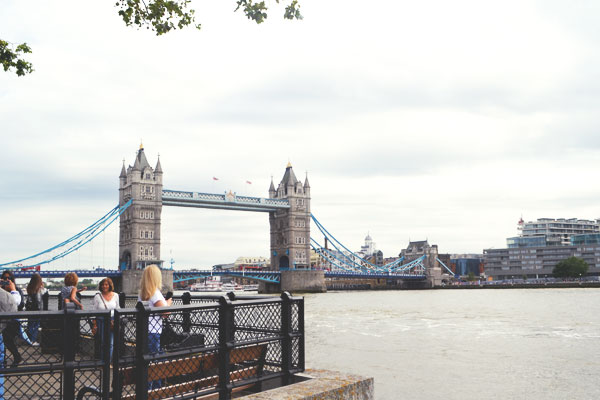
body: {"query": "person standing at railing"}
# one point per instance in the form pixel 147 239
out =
pixel 13 327
pixel 106 299
pixel 35 291
pixel 69 292
pixel 150 286
pixel 8 304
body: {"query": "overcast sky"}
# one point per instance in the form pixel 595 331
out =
pixel 433 120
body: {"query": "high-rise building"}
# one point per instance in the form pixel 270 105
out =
pixel 551 232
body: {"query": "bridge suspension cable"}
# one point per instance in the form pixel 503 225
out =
pixel 75 242
pixel 350 256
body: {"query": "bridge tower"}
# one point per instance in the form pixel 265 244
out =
pixel 290 228
pixel 139 235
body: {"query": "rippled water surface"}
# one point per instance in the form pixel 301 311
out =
pixel 461 344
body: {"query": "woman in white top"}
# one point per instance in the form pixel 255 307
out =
pixel 150 286
pixel 107 299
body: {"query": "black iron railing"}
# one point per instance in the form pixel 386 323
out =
pixel 200 345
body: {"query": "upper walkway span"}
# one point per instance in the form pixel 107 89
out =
pixel 228 201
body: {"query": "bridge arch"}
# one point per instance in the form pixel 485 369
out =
pixel 284 263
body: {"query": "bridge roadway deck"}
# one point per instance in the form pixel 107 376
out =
pixel 180 275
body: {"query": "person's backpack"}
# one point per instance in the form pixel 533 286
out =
pixel 31 304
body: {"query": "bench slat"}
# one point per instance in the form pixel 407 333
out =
pixel 191 365
pixel 198 385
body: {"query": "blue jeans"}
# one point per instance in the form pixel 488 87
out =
pixel 154 348
pixel 2 366
pixel 33 327
pixel 101 335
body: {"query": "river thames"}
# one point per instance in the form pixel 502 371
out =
pixel 461 344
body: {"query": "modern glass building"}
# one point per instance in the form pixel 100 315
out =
pixel 557 232
pixel 592 238
pixel 530 241
pixel 541 245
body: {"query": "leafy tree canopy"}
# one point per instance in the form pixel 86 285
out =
pixel 10 57
pixel 572 267
pixel 160 16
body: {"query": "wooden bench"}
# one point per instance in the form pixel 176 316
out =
pixel 197 373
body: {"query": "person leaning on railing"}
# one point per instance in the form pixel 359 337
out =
pixel 150 286
pixel 35 291
pixel 69 292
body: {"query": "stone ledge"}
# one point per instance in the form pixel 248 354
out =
pixel 322 385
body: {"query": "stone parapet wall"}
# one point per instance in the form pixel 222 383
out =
pixel 322 385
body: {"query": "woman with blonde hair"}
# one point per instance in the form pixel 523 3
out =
pixel 150 286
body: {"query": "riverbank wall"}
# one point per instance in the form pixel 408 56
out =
pixel 321 385
pixel 549 285
pixel 369 284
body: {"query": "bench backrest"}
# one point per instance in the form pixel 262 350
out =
pixel 198 365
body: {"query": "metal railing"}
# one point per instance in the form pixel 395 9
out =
pixel 207 344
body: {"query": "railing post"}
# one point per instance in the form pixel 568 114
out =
pixel 118 339
pixel 226 323
pixel 71 331
pixel 45 298
pixel 301 359
pixel 141 350
pixel 286 342
pixel 122 298
pixel 186 299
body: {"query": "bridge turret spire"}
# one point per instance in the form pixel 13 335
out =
pixel 158 168
pixel 123 171
pixel 272 189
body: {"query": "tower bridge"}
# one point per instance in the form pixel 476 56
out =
pixel 142 196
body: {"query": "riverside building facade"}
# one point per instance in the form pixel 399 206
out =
pixel 541 245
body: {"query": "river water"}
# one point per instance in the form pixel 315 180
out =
pixel 461 344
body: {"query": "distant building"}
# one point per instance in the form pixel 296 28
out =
pixel 541 245
pixel 465 264
pixel 420 248
pixel 251 262
pixel 367 249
